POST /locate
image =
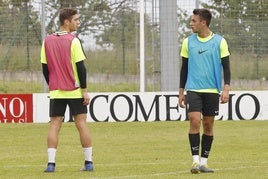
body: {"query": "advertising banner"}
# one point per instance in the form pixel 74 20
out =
pixel 157 106
pixel 16 108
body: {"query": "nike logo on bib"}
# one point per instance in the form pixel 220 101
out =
pixel 201 51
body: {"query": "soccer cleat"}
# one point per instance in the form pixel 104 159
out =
pixel 50 168
pixel 205 169
pixel 195 168
pixel 87 167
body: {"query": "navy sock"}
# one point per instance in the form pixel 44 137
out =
pixel 51 164
pixel 87 162
pixel 206 144
pixel 194 140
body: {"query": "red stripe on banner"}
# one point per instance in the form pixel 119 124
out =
pixel 16 108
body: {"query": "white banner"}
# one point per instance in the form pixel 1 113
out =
pixel 155 106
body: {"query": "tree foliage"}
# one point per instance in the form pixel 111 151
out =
pixel 115 22
pixel 243 23
pixel 94 15
pixel 183 24
pixel 19 22
pixel 124 30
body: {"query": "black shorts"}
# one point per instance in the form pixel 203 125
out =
pixel 57 107
pixel 206 103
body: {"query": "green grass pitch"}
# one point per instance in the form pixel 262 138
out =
pixel 135 150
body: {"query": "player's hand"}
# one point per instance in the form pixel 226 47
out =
pixel 224 98
pixel 182 100
pixel 86 98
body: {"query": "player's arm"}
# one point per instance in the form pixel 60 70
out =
pixel 184 67
pixel 78 57
pixel 45 72
pixel 225 53
pixel 183 79
pixel 226 70
pixel 184 72
pixel 44 63
pixel 227 78
pixel 82 74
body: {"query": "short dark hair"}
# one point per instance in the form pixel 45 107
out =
pixel 204 14
pixel 66 13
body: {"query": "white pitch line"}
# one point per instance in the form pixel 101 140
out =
pixel 175 173
pixel 148 175
pixel 123 164
pixel 95 164
pixel 134 176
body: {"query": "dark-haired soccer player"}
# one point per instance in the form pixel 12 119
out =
pixel 204 55
pixel 62 59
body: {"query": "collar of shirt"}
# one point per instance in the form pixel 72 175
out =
pixel 61 33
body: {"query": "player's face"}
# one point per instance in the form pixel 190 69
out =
pixel 196 23
pixel 74 23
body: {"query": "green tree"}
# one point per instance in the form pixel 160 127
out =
pixel 94 15
pixel 20 30
pixel 124 30
pixel 183 24
pixel 19 22
pixel 243 23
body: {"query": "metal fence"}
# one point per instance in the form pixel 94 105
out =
pixel 110 33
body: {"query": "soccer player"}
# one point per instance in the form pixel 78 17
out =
pixel 204 55
pixel 62 59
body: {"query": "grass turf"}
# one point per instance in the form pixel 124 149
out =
pixel 135 150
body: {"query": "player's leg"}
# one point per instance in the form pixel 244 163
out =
pixel 206 142
pixel 54 129
pixel 211 108
pixel 194 139
pixel 81 125
pixel 80 116
pixel 85 139
pixel 56 112
pixel 194 105
pixel 52 142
